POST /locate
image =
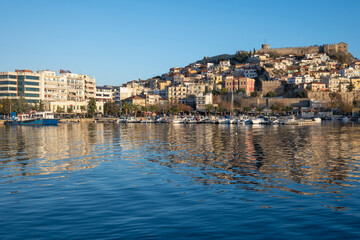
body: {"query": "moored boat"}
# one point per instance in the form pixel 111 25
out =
pixel 34 119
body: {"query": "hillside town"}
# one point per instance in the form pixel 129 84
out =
pixel 247 79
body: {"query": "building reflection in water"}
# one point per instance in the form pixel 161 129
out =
pixel 255 157
pixel 27 150
pixel 302 160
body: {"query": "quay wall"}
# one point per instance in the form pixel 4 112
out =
pixel 240 101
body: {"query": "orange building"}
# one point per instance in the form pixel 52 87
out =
pixel 233 84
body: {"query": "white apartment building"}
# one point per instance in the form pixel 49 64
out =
pixel 202 100
pixel 350 72
pixel 79 87
pixel 250 73
pixel 177 93
pixel 53 87
pixel 104 93
pixel 300 79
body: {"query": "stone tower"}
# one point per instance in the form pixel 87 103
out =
pixel 265 46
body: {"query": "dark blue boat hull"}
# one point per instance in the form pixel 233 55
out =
pixel 35 122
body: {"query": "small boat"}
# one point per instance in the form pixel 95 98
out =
pixel 177 120
pixel 317 119
pixel 132 120
pixel 190 120
pixel 257 121
pixel 224 121
pixel 34 119
pixel 120 120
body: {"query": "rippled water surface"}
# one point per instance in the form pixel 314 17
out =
pixel 108 181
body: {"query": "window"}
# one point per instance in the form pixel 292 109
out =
pixel 32 89
pixel 32 77
pixel 7 83
pixel 32 83
pixel 7 94
pixel 31 95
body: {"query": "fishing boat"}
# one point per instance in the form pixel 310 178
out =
pixel 34 119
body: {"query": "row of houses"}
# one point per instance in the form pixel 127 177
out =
pixel 57 91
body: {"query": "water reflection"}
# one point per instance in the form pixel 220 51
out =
pixel 302 160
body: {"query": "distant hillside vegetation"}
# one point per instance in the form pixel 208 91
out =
pixel 347 58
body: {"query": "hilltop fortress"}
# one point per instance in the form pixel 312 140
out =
pixel 326 48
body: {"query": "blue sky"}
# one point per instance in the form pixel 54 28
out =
pixel 119 41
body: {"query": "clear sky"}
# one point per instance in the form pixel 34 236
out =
pixel 119 41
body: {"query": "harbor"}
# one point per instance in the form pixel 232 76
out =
pixel 207 177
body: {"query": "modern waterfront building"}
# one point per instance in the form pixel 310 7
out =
pixel 21 83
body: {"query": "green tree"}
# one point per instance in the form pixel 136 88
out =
pixel 223 91
pixel 20 105
pixel 70 110
pixel 6 106
pixel 82 108
pixel 209 108
pixel 288 109
pixel 241 57
pixel 174 109
pixel 41 106
pixel 274 108
pixel 110 108
pixel 144 109
pixel 91 107
pixel 241 90
pixel 254 94
pixel 125 106
pixel 153 108
pixel 259 110
pixel 246 110
pixel 302 94
pixel 35 107
pixel 215 92
pixel 135 108
pixel 60 109
pixel 271 94
pixel 221 110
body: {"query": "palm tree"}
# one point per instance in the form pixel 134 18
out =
pixel 221 110
pixel 274 108
pixel 126 107
pixel 288 109
pixel 144 109
pixel 153 108
pixel 135 108
pixel 209 108
pixel 246 110
pixel 259 109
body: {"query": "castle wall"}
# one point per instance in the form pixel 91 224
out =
pixel 327 48
pixel 272 86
